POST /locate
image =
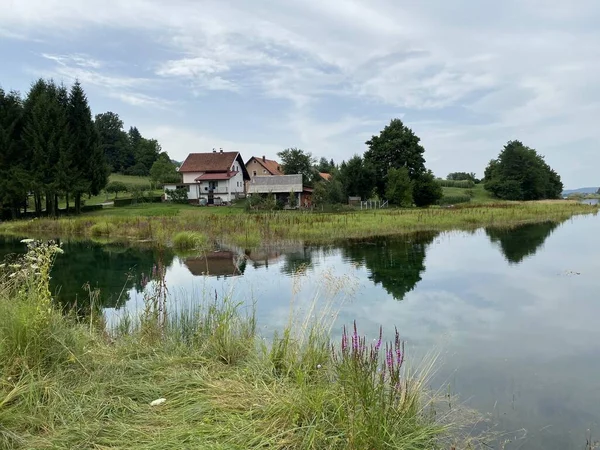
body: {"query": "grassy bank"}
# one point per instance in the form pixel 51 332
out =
pixel 201 378
pixel 161 222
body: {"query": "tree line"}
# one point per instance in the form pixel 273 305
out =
pixel 393 168
pixel 52 149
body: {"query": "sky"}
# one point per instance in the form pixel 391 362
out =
pixel 263 75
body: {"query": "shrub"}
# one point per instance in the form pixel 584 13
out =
pixel 189 240
pixel 102 229
pixel 114 187
pixel 179 195
pixel 465 184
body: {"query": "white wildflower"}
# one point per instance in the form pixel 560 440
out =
pixel 319 366
pixel 158 401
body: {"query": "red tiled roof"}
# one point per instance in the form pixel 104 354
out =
pixel 208 162
pixel 325 176
pixel 273 167
pixel 216 176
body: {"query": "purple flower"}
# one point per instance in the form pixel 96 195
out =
pixel 378 345
pixel 355 339
pixel 344 340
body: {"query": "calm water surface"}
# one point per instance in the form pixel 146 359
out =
pixel 515 314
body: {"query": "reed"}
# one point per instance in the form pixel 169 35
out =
pixel 198 378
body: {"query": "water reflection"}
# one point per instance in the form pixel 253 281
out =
pixel 220 263
pixel 523 241
pixel 395 263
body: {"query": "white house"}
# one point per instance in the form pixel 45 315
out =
pixel 216 176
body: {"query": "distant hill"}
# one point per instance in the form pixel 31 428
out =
pixel 585 190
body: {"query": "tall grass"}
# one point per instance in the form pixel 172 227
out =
pixel 159 222
pixel 66 385
pixel 189 240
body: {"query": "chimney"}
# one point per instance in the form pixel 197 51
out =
pixel 264 159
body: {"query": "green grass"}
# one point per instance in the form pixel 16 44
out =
pixel 480 195
pixel 130 180
pixel 189 240
pixel 159 222
pixel 68 384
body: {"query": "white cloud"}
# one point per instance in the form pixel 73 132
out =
pixel 518 68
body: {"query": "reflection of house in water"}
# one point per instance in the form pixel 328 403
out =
pixel 217 264
pixel 262 257
pixel 292 257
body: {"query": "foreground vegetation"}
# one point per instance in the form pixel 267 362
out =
pixel 159 223
pixel 200 378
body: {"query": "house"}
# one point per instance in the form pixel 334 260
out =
pixel 325 176
pixel 281 186
pixel 263 166
pixel 213 178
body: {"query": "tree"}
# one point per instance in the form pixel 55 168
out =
pixel 395 147
pixel 426 191
pixel 13 159
pixel 114 187
pixel 335 192
pixel 461 176
pixel 520 173
pixel 325 166
pixel 146 152
pixel 399 187
pixel 88 157
pixel 357 177
pixel 114 142
pixel 164 171
pixel 294 161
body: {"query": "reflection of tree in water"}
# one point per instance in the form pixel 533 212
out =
pixel 395 263
pixel 111 269
pixel 520 242
pixel 297 260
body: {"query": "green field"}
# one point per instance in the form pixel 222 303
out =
pixel 480 195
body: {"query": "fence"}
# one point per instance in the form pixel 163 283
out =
pixel 373 204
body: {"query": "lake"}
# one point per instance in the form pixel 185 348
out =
pixel 514 315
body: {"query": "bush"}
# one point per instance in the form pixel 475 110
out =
pixel 179 195
pixel 114 187
pixel 189 240
pixel 102 229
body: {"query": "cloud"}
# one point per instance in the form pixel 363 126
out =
pixel 468 76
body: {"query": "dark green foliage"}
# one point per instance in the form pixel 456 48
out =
pixel 179 195
pixel 164 171
pixel 141 198
pixel 399 187
pixel 518 243
pixel 395 147
pixel 395 263
pixel 426 191
pixel 465 184
pixel 138 170
pixel 454 199
pixel 114 187
pixel 520 173
pixel 461 176
pixel 14 182
pixel 325 166
pixel 114 142
pixel 294 161
pixel 357 177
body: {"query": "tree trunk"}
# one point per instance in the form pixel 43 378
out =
pixel 37 199
pixel 56 210
pixel 77 203
pixel 67 199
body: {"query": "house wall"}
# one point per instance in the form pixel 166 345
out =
pixel 255 166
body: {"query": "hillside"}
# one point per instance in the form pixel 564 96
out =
pixel 584 190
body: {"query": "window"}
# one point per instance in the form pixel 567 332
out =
pixel 264 171
pixel 254 173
